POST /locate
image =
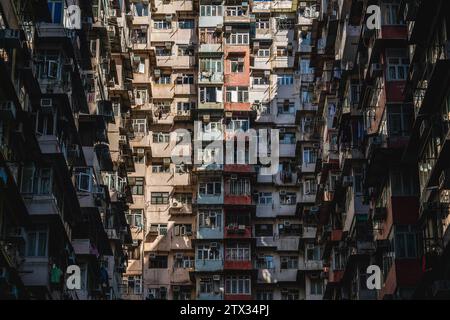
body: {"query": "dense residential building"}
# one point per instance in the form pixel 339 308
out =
pixel 116 123
pixel 64 108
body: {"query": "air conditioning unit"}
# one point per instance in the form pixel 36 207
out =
pixel 206 118
pixel 267 73
pixel 168 17
pixel 241 227
pixel 256 45
pixel 189 233
pixel 316 145
pixel 234 177
pixel 168 45
pixel 228 114
pixel 282 193
pixel 228 29
pixel 157 73
pixel 176 288
pixel 140 151
pixel 179 255
pixel 213 245
pixel 287 223
pixel 152 255
pixel 216 277
pixel 244 4
pixel 74 151
pixel 241 59
pixel 219 27
pixel 347 181
pixel 175 204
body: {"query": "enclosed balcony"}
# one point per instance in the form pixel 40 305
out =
pixel 237 256
pixel 273 276
pixel 237 225
pixel 237 191
pixel 209 256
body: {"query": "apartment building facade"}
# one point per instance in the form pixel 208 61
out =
pixel 63 164
pixel 381 180
pixel 222 230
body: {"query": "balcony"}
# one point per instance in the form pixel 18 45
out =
pixel 180 276
pixel 112 233
pixel 210 21
pixel 163 91
pixel 210 296
pixel 40 275
pixel 208 265
pixel 210 233
pixel 309 232
pixel 231 199
pixel 311 265
pixel 287 150
pixel 83 247
pixel 185 89
pixel 261 63
pixel 236 15
pixel 180 209
pixel 238 265
pixel 266 242
pixel 177 5
pixel 210 106
pixel 210 48
pixel 178 62
pixel 273 276
pixel 236 231
pixel 285 178
pixel 210 77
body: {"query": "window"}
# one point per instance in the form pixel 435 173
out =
pixel 210 36
pixel 140 126
pixel 212 188
pixel 141 95
pixel 162 51
pixel 312 252
pixel 238 38
pixel 264 295
pixel 316 287
pixel 240 187
pixel 160 229
pixel 405 242
pixel 291 294
pixel 237 252
pixel 309 187
pixel 161 137
pixel 48 65
pixel 398 64
pixel 37 243
pixel 237 65
pixel 211 10
pixel 238 124
pixel 237 285
pixel 309 155
pixel 36 180
pixel 161 168
pixel 210 94
pixel 288 262
pixel 139 35
pixel 262 23
pixel 208 251
pixel 207 285
pixel 183 293
pixel 133 285
pixel 184 198
pixel 163 79
pixel 162 24
pixel 84 179
pixel 185 107
pixel 183 262
pixel 160 198
pixel 263 53
pixel 282 52
pixel 157 262
pixel 288 198
pixel 287 138
pixel 139 156
pixel 403 184
pixel 286 107
pixel 137 186
pixel 159 293
pixel 210 219
pixel 264 230
pixel 211 65
pixel 186 24
pixel 56 9
pixel 400 120
pixel 237 94
pixel 390 14
pixel 185 79
pixel 260 80
pixel 265 198
pixel 134 218
pixel 285 80
pixel 182 230
pixel 235 11
pixel 265 262
pixel 140 9
pixel 185 50
pixel 139 64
